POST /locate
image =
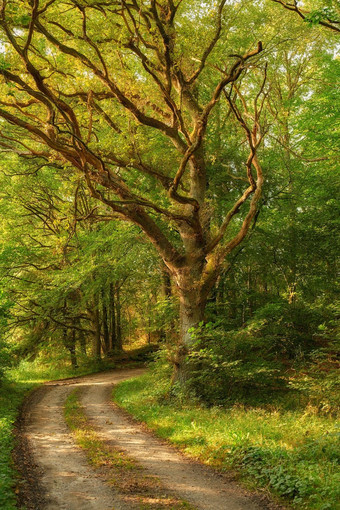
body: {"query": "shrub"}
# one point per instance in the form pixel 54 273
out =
pixel 5 360
pixel 223 366
pixel 257 363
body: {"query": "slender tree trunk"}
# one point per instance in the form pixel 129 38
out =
pixel 106 333
pixel 250 289
pixel 72 349
pixel 95 319
pixel 219 294
pixel 113 332
pixel 119 343
pixel 82 343
pixel 292 276
pixel 81 339
pixel 166 333
pixel 70 344
pixel 149 326
pixel 233 315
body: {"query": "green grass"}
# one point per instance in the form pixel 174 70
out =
pixel 40 372
pixel 12 393
pixel 292 453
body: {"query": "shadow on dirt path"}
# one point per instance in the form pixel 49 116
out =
pixel 55 472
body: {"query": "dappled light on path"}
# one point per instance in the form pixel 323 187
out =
pixel 71 484
pixel 68 481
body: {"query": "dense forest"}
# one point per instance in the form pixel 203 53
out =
pixel 169 184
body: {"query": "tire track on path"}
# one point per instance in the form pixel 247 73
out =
pixel 189 480
pixel 66 480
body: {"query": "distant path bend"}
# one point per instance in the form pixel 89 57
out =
pixel 67 482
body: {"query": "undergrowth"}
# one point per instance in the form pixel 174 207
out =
pixel 11 397
pixel 42 371
pixel 292 451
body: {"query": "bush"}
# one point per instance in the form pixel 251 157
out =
pixel 223 366
pixel 319 381
pixel 292 453
pixel 5 360
pixel 289 328
pixel 257 363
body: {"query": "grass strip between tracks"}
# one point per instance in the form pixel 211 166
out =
pixel 138 489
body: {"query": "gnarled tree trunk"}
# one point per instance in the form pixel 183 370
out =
pixel 192 303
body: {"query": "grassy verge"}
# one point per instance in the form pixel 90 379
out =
pixel 11 397
pixel 133 485
pixel 43 372
pixel 12 393
pixel 293 454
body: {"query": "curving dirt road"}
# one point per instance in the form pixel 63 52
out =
pixel 63 478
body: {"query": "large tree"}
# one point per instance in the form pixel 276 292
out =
pixel 128 93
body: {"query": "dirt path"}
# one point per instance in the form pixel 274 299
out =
pixel 67 482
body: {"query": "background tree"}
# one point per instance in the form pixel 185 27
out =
pixel 163 138
pixel 63 268
pixel 141 45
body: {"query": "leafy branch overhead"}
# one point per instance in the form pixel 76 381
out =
pixel 327 16
pixel 128 82
pixel 163 112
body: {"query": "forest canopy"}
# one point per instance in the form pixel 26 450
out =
pixel 169 183
pixel 167 165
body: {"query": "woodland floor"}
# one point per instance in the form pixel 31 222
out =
pixel 57 474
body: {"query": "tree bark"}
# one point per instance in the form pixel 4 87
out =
pixel 82 343
pixel 72 349
pixel 165 333
pixel 96 343
pixel 166 281
pixel 113 332
pixel 192 308
pixel 70 344
pixel 106 333
pixel 119 343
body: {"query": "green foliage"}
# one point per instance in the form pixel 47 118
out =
pixel 319 381
pixel 223 366
pixel 11 396
pixel 282 349
pixel 293 453
pixel 5 360
pixel 288 329
pixel 3 64
pixel 317 15
pixel 295 475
